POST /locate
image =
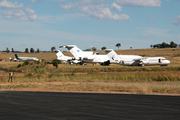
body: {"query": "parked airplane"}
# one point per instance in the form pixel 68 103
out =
pixel 23 58
pixel 65 59
pixel 87 56
pixel 134 60
pixel 13 59
pixel 131 60
pixel 155 61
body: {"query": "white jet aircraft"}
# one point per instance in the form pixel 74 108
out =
pixel 24 58
pixel 135 60
pixel 130 60
pixel 155 61
pixel 87 56
pixel 65 59
pixel 13 59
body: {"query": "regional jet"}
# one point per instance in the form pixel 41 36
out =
pixel 135 60
pixel 13 59
pixel 65 59
pixel 87 56
pixel 25 58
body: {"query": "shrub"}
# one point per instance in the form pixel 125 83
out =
pixel 19 66
pixel 29 75
pixel 58 61
pixel 40 70
pixel 26 62
pixel 55 63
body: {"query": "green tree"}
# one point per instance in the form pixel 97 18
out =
pixel 38 50
pixel 103 48
pixel 118 45
pixel 26 50
pixel 87 49
pixel 151 46
pixel 173 45
pixel 56 62
pixel 32 50
pixel 7 50
pixel 164 45
pixel 52 49
pixel 12 50
pixel 93 48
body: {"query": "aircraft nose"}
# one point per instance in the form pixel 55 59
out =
pixel 168 61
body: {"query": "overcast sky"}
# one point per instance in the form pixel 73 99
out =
pixel 88 23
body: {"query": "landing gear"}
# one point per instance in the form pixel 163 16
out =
pixel 105 63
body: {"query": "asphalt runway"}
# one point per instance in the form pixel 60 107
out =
pixel 16 105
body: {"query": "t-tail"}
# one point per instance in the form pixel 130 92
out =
pixel 59 54
pixel 16 56
pixel 77 53
pixel 112 55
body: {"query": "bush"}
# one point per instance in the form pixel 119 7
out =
pixel 26 62
pixel 55 63
pixel 40 70
pixel 29 75
pixel 58 61
pixel 19 66
pixel 38 62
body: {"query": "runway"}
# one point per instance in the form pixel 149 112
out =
pixel 16 105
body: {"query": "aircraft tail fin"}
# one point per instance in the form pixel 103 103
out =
pixel 59 54
pixel 76 52
pixel 16 56
pixel 112 55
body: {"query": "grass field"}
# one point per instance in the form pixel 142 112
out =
pixel 94 78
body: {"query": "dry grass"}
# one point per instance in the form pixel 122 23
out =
pixel 127 87
pixel 95 78
pixel 172 54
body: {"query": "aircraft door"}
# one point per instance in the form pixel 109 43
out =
pixel 160 60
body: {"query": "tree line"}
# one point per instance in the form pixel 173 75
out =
pixel 31 50
pixel 165 45
pixel 26 50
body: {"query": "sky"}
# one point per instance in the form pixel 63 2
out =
pixel 42 24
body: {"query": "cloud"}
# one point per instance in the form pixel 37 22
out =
pixel 177 21
pixel 146 35
pixel 100 12
pixel 58 0
pixel 13 10
pixel 6 4
pixel 140 3
pixel 33 1
pixel 117 7
pixel 68 6
pixel 96 9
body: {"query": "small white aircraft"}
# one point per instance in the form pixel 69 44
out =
pixel 155 61
pixel 130 60
pixel 135 60
pixel 23 58
pixel 65 59
pixel 13 59
pixel 87 56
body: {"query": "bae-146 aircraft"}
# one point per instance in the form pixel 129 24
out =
pixel 87 56
pixel 134 60
pixel 65 59
pixel 23 58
